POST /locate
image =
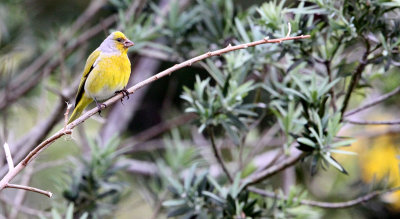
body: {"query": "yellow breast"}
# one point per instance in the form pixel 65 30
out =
pixel 110 73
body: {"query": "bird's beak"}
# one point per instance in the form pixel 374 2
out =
pixel 128 44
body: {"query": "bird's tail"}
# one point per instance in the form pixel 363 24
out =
pixel 80 106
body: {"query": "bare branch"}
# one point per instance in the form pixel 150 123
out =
pixel 8 157
pixel 218 155
pixel 32 189
pixel 69 106
pixel 35 152
pixel 360 122
pixel 354 79
pixel 373 102
pixel 346 204
pixel 260 176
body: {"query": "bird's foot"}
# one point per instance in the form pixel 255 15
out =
pixel 125 93
pixel 99 106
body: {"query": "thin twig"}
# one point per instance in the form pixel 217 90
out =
pixel 355 78
pixel 217 154
pixel 35 152
pixel 373 102
pixel 69 106
pixel 262 175
pixel 8 157
pixel 32 189
pixel 360 122
pixel 289 29
pixel 327 64
pixel 346 204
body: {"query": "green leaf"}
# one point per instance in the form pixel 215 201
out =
pixel 294 92
pixel 215 184
pixel 70 211
pixel 217 75
pixel 174 203
pixel 189 177
pixel 55 214
pixel 343 143
pixel 343 152
pixel 312 130
pixel 302 86
pixel 214 197
pixel 334 163
pixel 236 122
pixel 306 141
pixel 235 190
pixel 232 134
pixel 242 31
pixel 84 215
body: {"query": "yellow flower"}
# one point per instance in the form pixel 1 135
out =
pixel 106 72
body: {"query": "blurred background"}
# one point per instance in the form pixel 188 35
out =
pixel 153 157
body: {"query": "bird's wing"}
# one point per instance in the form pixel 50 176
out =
pixel 90 63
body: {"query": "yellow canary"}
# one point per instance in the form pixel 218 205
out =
pixel 106 72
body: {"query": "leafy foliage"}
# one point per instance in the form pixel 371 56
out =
pixel 96 187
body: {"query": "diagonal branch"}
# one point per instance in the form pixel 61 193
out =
pixel 360 122
pixel 32 189
pixel 262 175
pixel 354 79
pixel 68 129
pixel 373 102
pixel 346 204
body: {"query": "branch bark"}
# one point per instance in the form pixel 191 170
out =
pixel 355 78
pixel 262 175
pixel 373 102
pixel 360 122
pixel 32 189
pixel 217 154
pixel 68 129
pixel 334 205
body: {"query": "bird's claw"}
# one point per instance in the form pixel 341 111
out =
pixel 99 106
pixel 125 93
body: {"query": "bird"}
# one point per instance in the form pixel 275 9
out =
pixel 106 73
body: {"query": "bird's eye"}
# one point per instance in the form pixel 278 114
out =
pixel 119 39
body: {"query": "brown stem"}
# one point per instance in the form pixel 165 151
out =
pixel 260 176
pixel 217 154
pixel 346 204
pixel 354 79
pixel 360 122
pixel 373 102
pixel 28 188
